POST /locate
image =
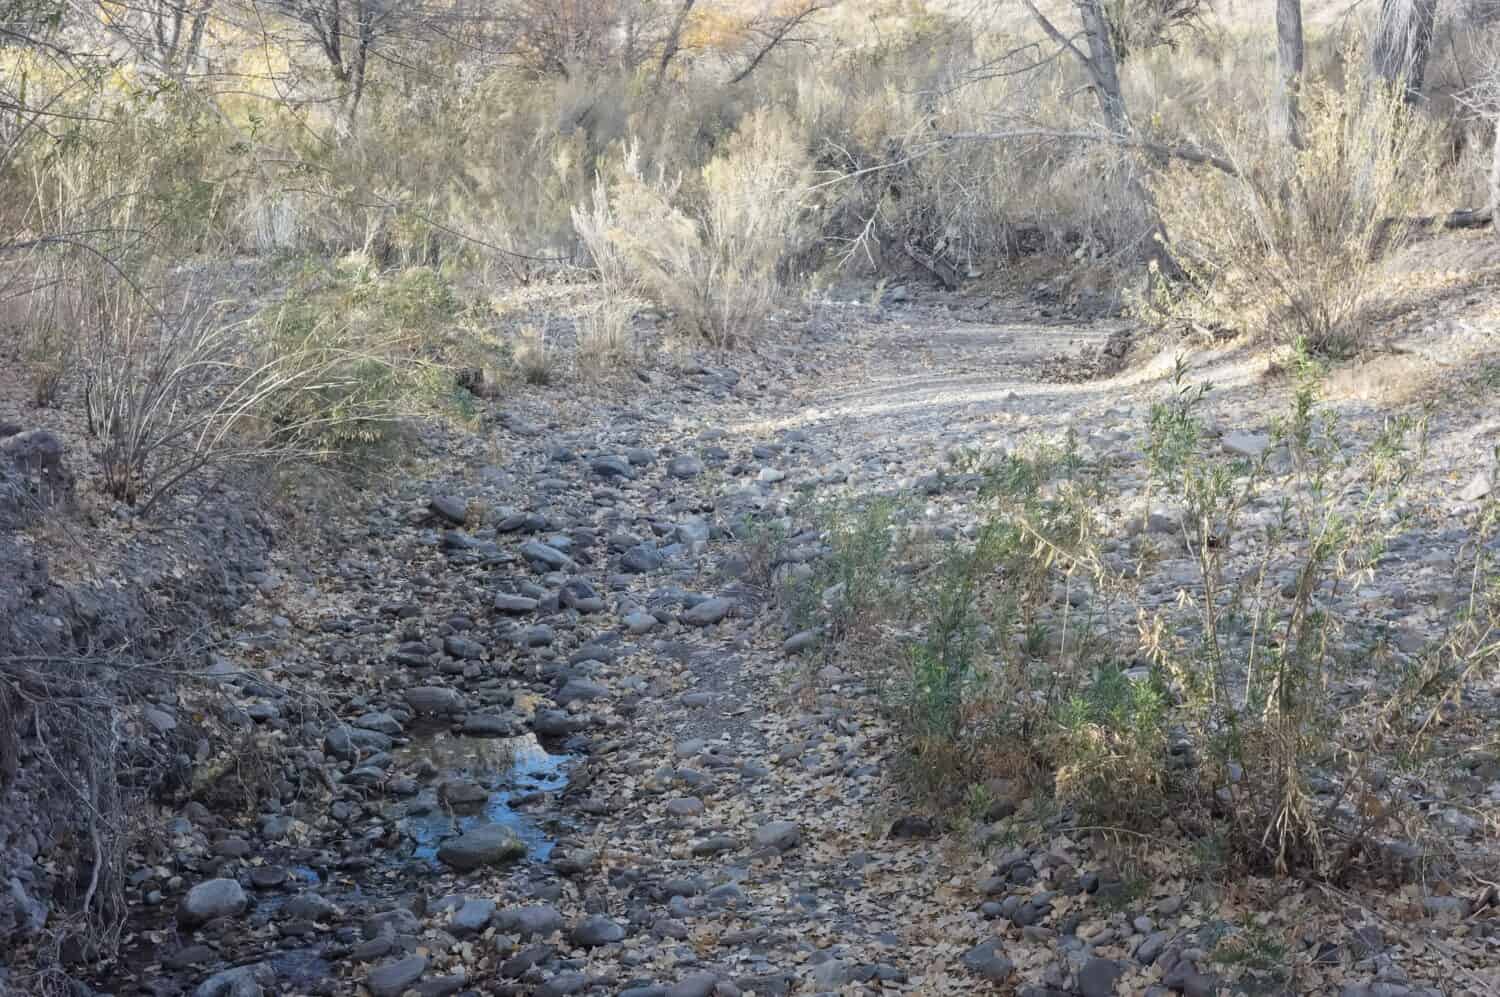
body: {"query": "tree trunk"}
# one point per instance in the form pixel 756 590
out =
pixel 1495 179
pixel 674 40
pixel 1103 69
pixel 1102 66
pixel 1402 43
pixel 1286 115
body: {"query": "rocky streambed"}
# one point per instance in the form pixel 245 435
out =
pixel 524 718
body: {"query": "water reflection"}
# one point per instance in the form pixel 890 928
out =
pixel 511 769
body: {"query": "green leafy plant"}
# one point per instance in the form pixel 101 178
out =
pixel 1113 733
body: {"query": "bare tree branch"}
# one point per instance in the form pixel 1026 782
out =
pixel 776 29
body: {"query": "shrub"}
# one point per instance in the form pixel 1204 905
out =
pixel 363 350
pixel 533 357
pixel 48 355
pixel 1294 237
pixel 1113 733
pixel 605 340
pixel 712 254
pixel 1223 713
pixel 171 389
pixel 943 665
pixel 1256 671
pixel 850 589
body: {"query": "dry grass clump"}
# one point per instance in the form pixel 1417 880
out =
pixel 533 358
pixel 605 339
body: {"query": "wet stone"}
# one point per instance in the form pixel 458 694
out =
pixel 487 844
pixel 268 877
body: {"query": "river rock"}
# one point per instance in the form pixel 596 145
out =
pixel 642 559
pixel 241 981
pixel 987 960
pixel 778 834
pixel 708 612
pixel 694 985
pixel 515 604
pixel 392 979
pixel 529 922
pixel 471 918
pixel 215 898
pixel 487 844
pixel 435 699
pixel 595 931
pixel 450 507
pixel 685 467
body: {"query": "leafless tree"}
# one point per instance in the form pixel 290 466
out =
pixel 558 37
pixel 1096 56
pixel 1483 100
pixel 777 26
pixel 1286 115
pixel 1402 43
pixel 163 35
pixel 1100 63
pixel 672 43
pixel 350 34
pixel 1140 25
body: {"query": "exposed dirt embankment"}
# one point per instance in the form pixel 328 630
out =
pixel 100 620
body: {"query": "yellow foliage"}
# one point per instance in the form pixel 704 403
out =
pixel 714 29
